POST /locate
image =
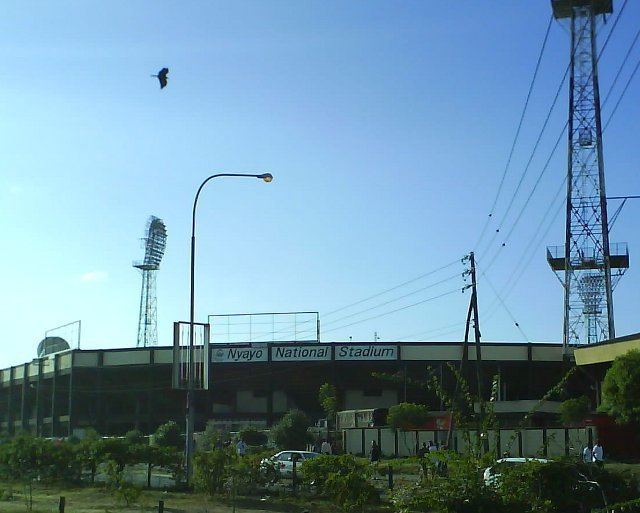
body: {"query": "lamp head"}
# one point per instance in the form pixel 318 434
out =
pixel 267 177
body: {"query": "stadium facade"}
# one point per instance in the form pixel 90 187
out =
pixel 114 390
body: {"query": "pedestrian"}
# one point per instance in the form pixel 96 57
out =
pixel 587 454
pixel 423 450
pixel 374 454
pixel 325 448
pixel 598 454
pixel 432 447
pixel 241 448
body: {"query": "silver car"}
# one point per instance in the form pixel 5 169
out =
pixel 282 462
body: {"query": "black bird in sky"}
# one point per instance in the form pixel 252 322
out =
pixel 162 77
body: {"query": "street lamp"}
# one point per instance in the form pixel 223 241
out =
pixel 190 421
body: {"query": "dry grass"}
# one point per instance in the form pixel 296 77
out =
pixel 98 500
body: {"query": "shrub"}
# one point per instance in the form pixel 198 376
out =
pixel 407 415
pixel 621 388
pixel 211 470
pixel 169 435
pixel 135 437
pixel 345 480
pixel 252 436
pixel 574 410
pixel 291 432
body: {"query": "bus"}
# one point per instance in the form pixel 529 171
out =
pixel 371 417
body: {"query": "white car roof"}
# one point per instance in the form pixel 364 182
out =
pixel 522 460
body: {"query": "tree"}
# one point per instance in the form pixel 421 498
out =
pixel 168 435
pixel 252 436
pixel 407 415
pixel 573 411
pixel 328 398
pixel 621 388
pixel 291 432
pixel 134 437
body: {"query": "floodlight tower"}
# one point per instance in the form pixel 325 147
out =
pixel 154 244
pixel 587 266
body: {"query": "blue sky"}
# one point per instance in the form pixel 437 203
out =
pixel 387 126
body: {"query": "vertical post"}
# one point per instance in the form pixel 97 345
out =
pixel 160 506
pixel 61 504
pixel 70 398
pixel 294 460
pixel 390 475
pixel 24 420
pixel 189 428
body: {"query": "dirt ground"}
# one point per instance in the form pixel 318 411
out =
pixel 97 500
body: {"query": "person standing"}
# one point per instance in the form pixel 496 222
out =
pixel 598 454
pixel 325 448
pixel 587 454
pixel 241 448
pixel 374 454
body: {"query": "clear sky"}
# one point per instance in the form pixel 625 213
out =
pixel 386 124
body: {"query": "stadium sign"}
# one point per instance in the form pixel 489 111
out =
pixel 239 354
pixel 300 353
pixel 369 352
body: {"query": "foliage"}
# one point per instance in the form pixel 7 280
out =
pixel 407 415
pixel 574 410
pixel 211 438
pixel 135 437
pixel 621 388
pixel 248 474
pixel 328 399
pixel 618 486
pixel 211 470
pixel 345 480
pixel 118 486
pixel 253 436
pixel 461 489
pixel 168 435
pixel 291 432
pixel 116 450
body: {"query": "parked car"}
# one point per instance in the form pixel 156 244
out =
pixel 281 464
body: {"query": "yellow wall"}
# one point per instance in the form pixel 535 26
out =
pixel 605 352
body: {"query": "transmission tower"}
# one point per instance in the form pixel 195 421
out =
pixel 587 266
pixel 154 244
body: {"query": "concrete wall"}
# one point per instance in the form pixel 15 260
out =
pixel 532 441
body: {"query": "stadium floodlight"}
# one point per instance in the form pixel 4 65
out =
pixel 154 244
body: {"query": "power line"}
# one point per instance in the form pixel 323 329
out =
pixel 457 289
pixel 517 134
pixel 449 278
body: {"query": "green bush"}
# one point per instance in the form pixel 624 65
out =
pixel 291 432
pixel 574 410
pixel 169 435
pixel 211 469
pixel 621 388
pixel 252 436
pixel 345 480
pixel 135 437
pixel 407 415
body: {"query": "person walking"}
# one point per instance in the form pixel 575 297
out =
pixel 374 454
pixel 587 454
pixel 325 448
pixel 598 454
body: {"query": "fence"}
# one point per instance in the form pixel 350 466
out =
pixel 525 442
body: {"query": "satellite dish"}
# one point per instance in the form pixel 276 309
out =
pixel 50 345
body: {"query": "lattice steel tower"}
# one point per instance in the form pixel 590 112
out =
pixel 154 244
pixel 587 266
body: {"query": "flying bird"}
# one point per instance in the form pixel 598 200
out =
pixel 162 77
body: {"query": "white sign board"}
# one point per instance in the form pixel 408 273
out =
pixel 239 354
pixel 291 353
pixel 370 352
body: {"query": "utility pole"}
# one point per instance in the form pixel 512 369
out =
pixel 476 330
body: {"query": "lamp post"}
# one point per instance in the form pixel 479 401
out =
pixel 190 421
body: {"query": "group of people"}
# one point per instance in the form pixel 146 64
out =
pixel 594 454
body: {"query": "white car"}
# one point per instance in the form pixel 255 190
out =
pixel 492 473
pixel 282 462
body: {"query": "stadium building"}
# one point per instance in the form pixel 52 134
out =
pixel 115 390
